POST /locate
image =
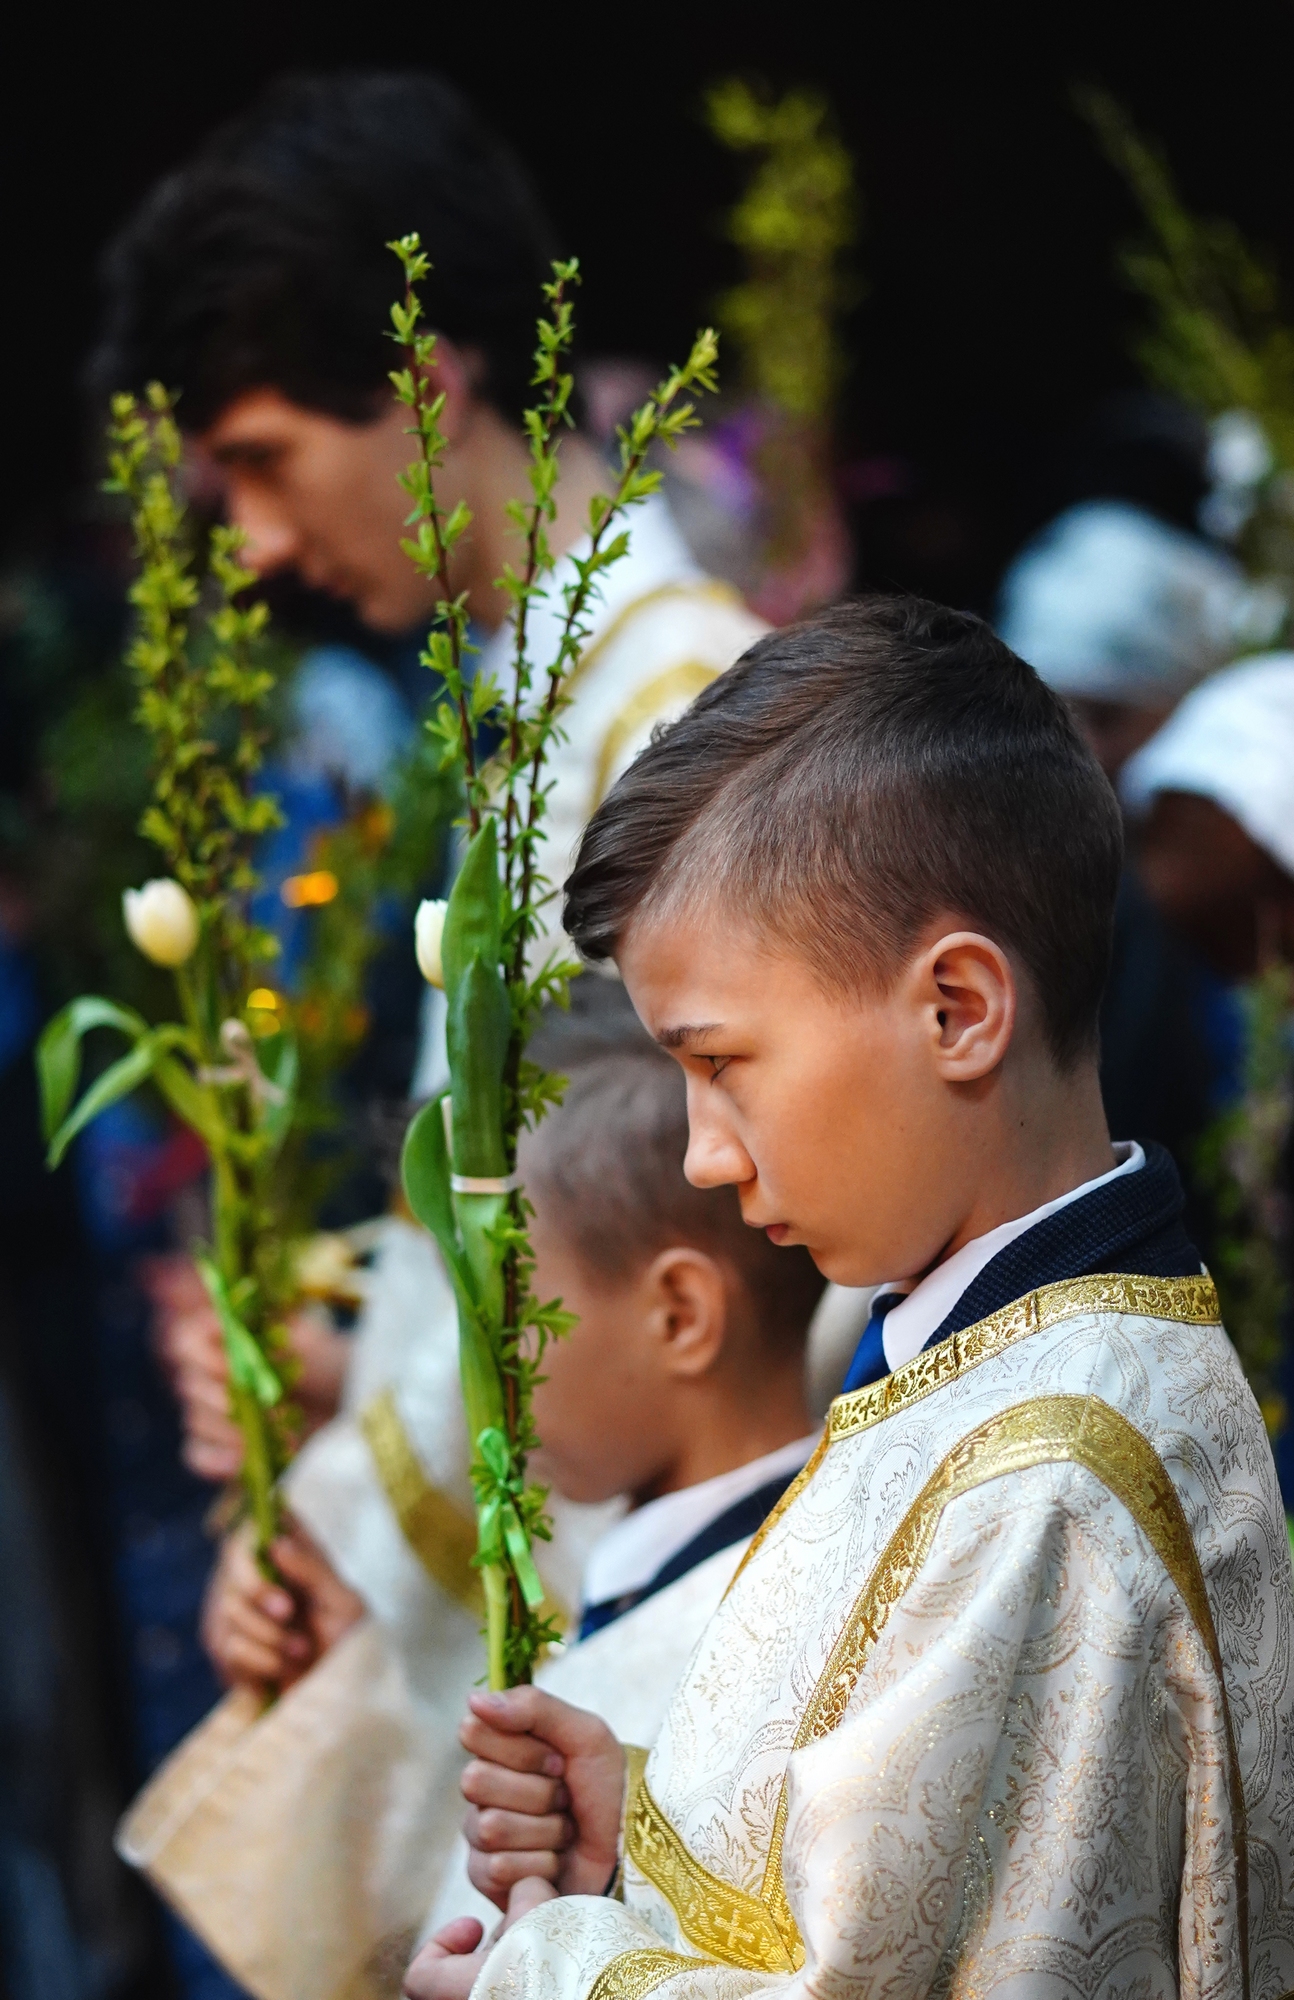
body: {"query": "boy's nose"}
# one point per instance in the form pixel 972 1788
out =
pixel 715 1158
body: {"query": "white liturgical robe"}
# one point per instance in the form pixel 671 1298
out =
pixel 999 1703
pixel 305 1844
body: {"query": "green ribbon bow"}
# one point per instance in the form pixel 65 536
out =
pixel 498 1522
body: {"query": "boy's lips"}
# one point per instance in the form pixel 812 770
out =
pixel 777 1232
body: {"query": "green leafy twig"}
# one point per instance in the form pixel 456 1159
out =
pixel 202 695
pixel 460 1152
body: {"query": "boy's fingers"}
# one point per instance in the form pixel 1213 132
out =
pixel 301 1562
pixel 439 1974
pixel 239 1614
pixel 496 1874
pixel 494 1832
pixel 492 1785
pixel 516 1753
pixel 529 1711
pixel 461 1934
pixel 526 1896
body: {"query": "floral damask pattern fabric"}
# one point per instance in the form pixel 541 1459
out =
pixel 959 1726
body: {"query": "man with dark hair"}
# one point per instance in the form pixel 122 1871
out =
pixel 984 1708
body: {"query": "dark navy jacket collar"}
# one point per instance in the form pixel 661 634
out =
pixel 1131 1225
pixel 736 1524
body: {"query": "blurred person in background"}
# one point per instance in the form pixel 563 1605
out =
pixel 257 281
pixel 1210 801
pixel 1123 613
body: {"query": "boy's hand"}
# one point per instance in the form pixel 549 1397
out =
pixel 261 1635
pixel 447 1966
pixel 544 1794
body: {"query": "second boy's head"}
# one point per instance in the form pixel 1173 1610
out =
pixel 863 890
pixel 688 1356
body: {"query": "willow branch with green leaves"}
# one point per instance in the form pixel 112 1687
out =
pixel 437 534
pixel 459 1174
pixel 202 696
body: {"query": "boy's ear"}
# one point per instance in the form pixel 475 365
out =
pixel 689 1307
pixel 970 1002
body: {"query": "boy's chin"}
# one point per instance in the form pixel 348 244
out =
pixel 569 1482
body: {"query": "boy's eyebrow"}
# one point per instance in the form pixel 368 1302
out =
pixel 690 1031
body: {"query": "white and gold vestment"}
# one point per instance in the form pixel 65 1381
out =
pixel 1000 1703
pixel 305 1844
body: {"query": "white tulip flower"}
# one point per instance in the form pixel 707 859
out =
pixel 162 920
pixel 428 930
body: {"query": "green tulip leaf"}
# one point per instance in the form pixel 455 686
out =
pixel 424 1170
pixel 117 1081
pixel 474 917
pixel 58 1052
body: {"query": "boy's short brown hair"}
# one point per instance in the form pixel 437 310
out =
pixel 851 779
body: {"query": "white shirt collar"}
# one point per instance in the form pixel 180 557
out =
pixel 629 1555
pixel 657 556
pixel 907 1327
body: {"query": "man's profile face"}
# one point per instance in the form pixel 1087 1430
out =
pixel 318 496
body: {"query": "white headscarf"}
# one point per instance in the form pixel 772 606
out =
pixel 1110 603
pixel 1231 741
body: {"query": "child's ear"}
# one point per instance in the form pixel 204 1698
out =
pixel 970 1004
pixel 689 1309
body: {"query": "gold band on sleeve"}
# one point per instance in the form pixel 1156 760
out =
pixel 1191 1301
pixel 1079 1430
pixel 440 1533
pixel 635 1973
pixel 721 1921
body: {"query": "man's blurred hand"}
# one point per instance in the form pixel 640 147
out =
pixel 260 1634
pixel 188 1342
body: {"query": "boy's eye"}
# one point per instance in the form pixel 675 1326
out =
pixel 718 1064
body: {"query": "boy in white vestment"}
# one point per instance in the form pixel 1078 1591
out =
pixel 1001 1700
pixel 307 1842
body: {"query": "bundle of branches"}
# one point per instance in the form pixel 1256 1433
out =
pixel 203 689
pixel 1218 338
pixel 460 1154
pixel 795 220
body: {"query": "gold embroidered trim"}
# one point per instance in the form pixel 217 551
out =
pixel 779 1507
pixel 438 1531
pixel 1080 1430
pixel 634 1973
pixel 678 684
pixel 720 1920
pixel 1192 1300
pixel 708 588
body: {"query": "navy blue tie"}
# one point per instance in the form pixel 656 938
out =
pixel 869 1363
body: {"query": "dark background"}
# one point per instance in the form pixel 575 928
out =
pixel 994 317
pixel 993 325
